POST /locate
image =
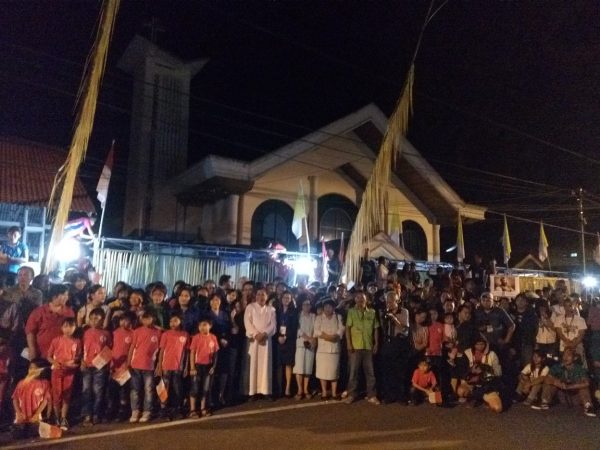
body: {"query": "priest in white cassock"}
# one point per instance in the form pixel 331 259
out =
pixel 261 324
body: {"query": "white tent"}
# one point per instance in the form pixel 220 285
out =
pixel 382 245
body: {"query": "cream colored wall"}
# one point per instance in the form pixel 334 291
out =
pixel 282 185
pixel 399 204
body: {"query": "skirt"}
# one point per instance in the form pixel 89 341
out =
pixel 328 366
pixel 304 362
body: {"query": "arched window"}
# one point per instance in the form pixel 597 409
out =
pixel 415 241
pixel 336 215
pixel 272 222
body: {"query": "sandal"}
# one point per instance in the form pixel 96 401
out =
pixel 299 396
pixel 206 413
pixel 193 415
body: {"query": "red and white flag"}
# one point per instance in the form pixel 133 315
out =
pixel 104 181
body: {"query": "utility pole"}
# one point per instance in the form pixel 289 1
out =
pixel 582 223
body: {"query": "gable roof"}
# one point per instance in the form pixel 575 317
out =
pixel 27 174
pixel 352 143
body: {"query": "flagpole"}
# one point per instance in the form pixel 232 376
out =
pixel 307 237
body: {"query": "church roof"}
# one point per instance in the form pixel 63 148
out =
pixel 351 145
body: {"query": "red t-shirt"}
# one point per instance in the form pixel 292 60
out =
pixel 94 340
pixel 145 346
pixel 64 349
pixel 46 325
pixel 205 346
pixel 174 343
pixel 122 340
pixel 436 339
pixel 425 380
pixel 30 395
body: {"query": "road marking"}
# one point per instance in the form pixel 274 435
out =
pixel 156 426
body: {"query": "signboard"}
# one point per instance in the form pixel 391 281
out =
pixel 504 286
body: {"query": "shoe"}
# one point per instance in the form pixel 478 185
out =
pixel 324 398
pixel 135 417
pixel 299 396
pixel 542 407
pixel 87 421
pixel 336 398
pixel 193 415
pixel 374 401
pixel 252 398
pixel 344 394
pixel 64 425
pixel 588 410
pixel 145 417
pixel 527 402
pixel 349 400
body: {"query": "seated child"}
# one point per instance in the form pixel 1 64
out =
pixel 30 399
pixel 531 378
pixel 424 383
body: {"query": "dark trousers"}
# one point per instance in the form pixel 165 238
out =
pixel 117 398
pixel 393 360
pixel 142 383
pixel 202 382
pixel 173 380
pixel 92 391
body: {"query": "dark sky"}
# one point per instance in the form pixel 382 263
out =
pixel 506 91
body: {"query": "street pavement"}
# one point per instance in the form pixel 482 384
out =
pixel 332 425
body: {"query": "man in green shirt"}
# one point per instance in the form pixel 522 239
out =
pixel 571 379
pixel 362 339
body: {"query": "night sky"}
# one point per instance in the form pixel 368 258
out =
pixel 506 91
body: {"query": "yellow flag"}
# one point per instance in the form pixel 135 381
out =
pixel 506 242
pixel 460 241
pixel 543 245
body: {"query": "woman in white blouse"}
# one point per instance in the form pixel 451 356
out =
pixel 329 330
pixel 305 349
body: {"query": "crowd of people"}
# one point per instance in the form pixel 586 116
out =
pixel 72 352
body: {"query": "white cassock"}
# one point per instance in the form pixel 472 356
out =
pixel 260 319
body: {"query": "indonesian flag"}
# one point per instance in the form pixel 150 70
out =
pixel 543 244
pixel 104 181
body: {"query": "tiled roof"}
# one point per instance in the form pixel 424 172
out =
pixel 27 171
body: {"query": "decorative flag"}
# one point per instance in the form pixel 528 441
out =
pixel 395 231
pixel 460 241
pixel 104 181
pixel 543 245
pixel 162 392
pixel 47 431
pixel 325 259
pixel 299 214
pixel 342 253
pixel 506 242
pixel 102 358
pixel 596 252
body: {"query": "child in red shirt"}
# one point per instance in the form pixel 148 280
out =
pixel 118 395
pixel 30 399
pixel 203 360
pixel 141 359
pixel 424 382
pixel 94 379
pixel 172 365
pixel 64 355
